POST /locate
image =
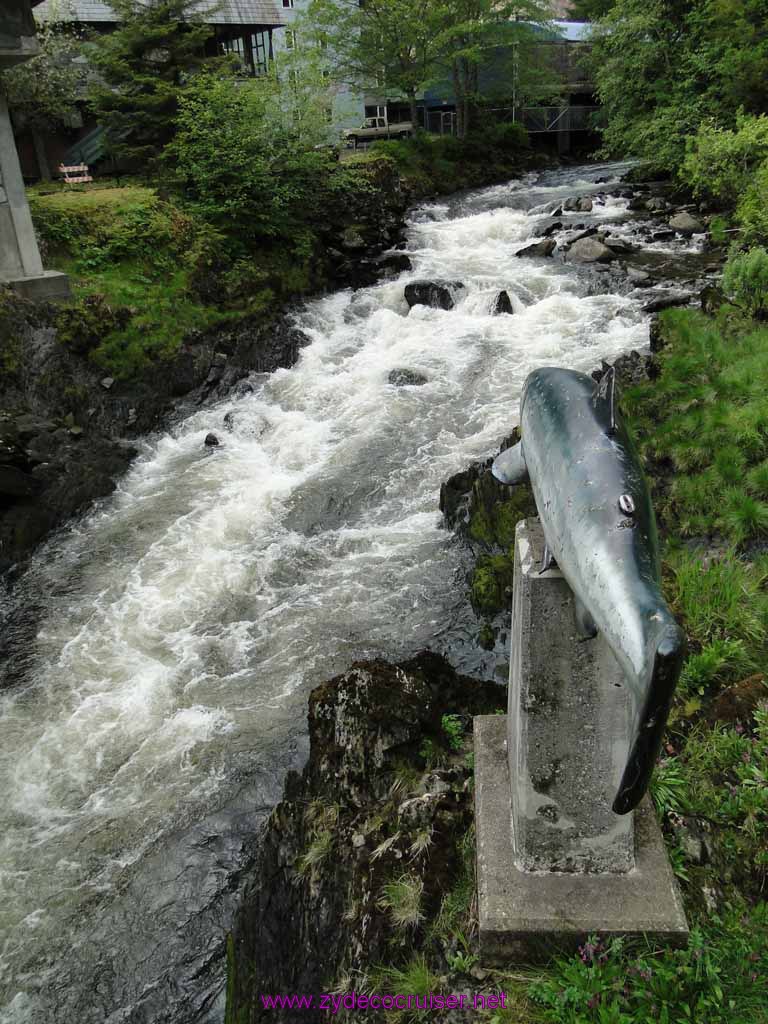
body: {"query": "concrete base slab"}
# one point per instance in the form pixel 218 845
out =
pixel 50 286
pixel 528 916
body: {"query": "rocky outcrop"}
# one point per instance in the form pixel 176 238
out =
pixel 385 799
pixel 437 294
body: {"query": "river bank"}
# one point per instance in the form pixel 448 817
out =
pixel 151 713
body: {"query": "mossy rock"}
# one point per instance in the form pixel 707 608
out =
pixel 492 582
pixel 496 510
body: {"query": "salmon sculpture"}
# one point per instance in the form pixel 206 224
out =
pixel 599 527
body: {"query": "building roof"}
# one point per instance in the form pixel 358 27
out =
pixel 228 12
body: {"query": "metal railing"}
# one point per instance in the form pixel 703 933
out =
pixel 557 119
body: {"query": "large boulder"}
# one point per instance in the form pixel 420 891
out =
pixel 437 294
pixel 544 248
pixel 578 204
pixel 502 304
pixel 590 250
pixel 686 225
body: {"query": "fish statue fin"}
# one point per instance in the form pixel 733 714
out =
pixel 605 395
pixel 584 621
pixel 509 467
pixel 547 560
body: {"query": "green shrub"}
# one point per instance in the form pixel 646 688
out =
pixel 752 208
pixel 719 163
pixel 83 324
pixel 745 280
pixel 720 978
pixel 454 731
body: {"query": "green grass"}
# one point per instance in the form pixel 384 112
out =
pixel 704 422
pixel 402 899
pixel 721 978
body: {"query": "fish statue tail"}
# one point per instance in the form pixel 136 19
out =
pixel 651 722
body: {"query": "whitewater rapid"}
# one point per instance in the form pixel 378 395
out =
pixel 157 694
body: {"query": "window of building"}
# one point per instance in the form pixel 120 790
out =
pixel 290 39
pixel 262 51
pixel 288 3
pixel 236 46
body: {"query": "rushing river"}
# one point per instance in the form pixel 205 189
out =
pixel 156 691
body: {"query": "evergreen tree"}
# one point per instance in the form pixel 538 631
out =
pixel 143 67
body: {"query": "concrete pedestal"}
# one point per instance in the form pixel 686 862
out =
pixel 529 915
pixel 568 726
pixel 554 863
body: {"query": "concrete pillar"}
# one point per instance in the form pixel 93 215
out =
pixel 20 263
pixel 19 255
pixel 568 722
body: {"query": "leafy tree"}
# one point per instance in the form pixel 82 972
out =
pixel 664 66
pixel 401 46
pixel 719 164
pixel 243 161
pixel 590 10
pixel 395 46
pixel 43 92
pixel 476 32
pixel 144 66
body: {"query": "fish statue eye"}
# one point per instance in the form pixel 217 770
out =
pixel 626 504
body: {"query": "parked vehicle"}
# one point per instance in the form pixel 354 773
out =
pixel 377 128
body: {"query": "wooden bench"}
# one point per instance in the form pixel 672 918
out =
pixel 76 174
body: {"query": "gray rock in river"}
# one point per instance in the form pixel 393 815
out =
pixel 211 441
pixel 436 294
pixel 550 229
pixel 639 278
pixel 590 250
pixel 685 224
pixel 545 248
pixel 502 304
pixel 656 204
pixel 667 301
pixel 394 262
pixel 406 378
pixel 580 204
